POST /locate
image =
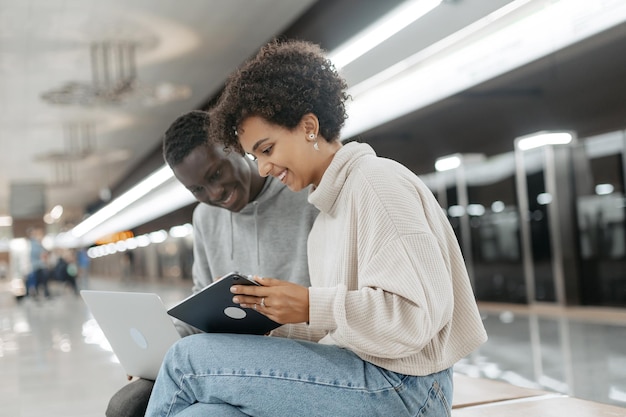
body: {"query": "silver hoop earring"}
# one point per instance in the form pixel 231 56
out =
pixel 316 146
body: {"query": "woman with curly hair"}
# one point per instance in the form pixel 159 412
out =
pixel 390 308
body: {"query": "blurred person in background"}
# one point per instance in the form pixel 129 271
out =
pixel 66 271
pixel 37 281
pixel 83 262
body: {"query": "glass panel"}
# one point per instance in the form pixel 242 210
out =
pixel 454 212
pixel 540 238
pixel 498 267
pixel 602 232
pixel 538 201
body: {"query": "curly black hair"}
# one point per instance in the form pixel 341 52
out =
pixel 284 81
pixel 184 135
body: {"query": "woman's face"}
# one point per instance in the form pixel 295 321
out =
pixel 282 153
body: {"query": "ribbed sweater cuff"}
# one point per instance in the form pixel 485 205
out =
pixel 321 308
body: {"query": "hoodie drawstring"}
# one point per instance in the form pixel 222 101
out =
pixel 232 238
pixel 256 232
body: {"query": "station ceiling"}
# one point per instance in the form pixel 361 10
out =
pixel 87 88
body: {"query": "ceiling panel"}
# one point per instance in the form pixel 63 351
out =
pixel 46 44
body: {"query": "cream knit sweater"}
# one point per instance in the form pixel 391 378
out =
pixel 388 280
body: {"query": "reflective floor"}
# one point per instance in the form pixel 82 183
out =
pixel 55 362
pixel 580 351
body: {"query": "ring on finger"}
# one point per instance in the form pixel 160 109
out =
pixel 255 306
pixel 263 302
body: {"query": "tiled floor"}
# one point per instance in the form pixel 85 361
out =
pixel 54 361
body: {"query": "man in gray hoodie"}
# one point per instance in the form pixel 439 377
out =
pixel 244 222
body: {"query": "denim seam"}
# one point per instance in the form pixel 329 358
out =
pixel 291 379
pixel 181 382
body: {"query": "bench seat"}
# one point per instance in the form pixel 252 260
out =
pixel 470 391
pixel 542 406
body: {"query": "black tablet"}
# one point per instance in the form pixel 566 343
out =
pixel 212 310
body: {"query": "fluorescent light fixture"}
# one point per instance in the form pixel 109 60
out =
pixel 537 140
pixel 182 230
pixel 544 198
pixel 456 211
pixel 497 206
pixel 476 210
pixel 143 241
pixel 447 163
pixel 604 189
pixel 381 30
pixel 56 212
pixel 521 32
pixel 19 244
pixel 167 198
pixel 138 191
pixel 131 243
pixel 158 236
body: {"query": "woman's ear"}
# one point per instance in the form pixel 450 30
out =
pixel 310 124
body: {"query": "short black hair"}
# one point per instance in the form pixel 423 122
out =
pixel 184 135
pixel 284 81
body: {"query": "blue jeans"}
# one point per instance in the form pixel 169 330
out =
pixel 242 375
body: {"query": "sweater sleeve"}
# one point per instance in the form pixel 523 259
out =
pixel 395 290
pixel 403 300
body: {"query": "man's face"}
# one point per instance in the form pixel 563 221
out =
pixel 216 177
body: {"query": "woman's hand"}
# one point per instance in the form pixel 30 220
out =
pixel 282 301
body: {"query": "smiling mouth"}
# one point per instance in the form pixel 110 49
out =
pixel 225 202
pixel 282 176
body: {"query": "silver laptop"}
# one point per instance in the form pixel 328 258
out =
pixel 137 327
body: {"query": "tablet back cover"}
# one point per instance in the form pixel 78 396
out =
pixel 213 311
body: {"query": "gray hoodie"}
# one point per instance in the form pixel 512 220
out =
pixel 268 237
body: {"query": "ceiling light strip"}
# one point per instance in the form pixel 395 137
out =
pixel 169 197
pixel 438 47
pixel 527 33
pixel 382 29
pixel 151 182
